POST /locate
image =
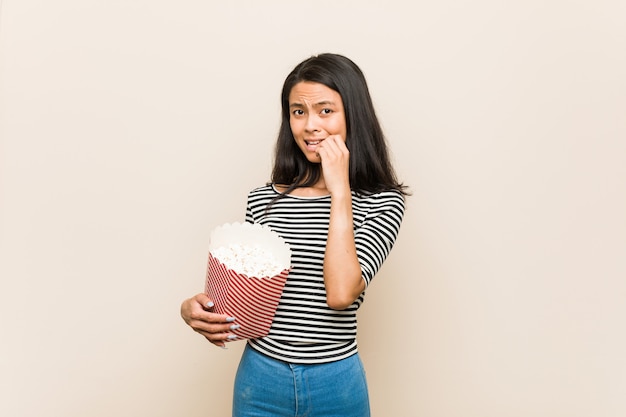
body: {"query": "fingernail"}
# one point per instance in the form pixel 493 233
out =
pixel 210 304
pixel 229 319
pixel 231 336
pixel 234 327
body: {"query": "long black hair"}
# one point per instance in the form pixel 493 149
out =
pixel 370 169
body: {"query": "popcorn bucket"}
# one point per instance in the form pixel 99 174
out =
pixel 246 272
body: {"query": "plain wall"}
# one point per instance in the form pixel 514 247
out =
pixel 130 128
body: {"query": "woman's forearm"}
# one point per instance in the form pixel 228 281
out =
pixel 342 271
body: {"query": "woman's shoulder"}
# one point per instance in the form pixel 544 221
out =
pixel 262 188
pixel 391 196
pixel 263 191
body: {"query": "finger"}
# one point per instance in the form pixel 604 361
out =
pixel 214 331
pixel 219 344
pixel 332 153
pixel 338 144
pixel 210 318
pixel 219 338
pixel 341 145
pixel 335 145
pixel 327 149
pixel 204 301
pixel 222 343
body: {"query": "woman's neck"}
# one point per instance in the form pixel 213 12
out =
pixel 316 190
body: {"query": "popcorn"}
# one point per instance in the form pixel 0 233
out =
pixel 246 272
pixel 253 261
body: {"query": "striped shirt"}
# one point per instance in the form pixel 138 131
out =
pixel 305 329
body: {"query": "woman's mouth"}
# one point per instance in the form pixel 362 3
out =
pixel 311 144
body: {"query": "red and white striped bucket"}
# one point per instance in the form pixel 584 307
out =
pixel 251 300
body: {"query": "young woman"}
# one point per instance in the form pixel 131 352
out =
pixel 335 199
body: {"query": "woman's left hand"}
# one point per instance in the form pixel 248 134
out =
pixel 335 163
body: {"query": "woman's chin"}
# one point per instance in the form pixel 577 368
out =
pixel 313 158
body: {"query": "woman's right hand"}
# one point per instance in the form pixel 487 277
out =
pixel 216 328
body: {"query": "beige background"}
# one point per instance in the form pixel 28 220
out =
pixel 131 128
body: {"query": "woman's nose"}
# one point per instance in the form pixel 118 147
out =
pixel 312 124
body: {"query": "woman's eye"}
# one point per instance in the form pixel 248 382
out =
pixel 298 112
pixel 327 111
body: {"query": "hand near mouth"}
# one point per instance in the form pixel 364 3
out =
pixel 335 159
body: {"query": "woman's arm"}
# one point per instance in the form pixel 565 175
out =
pixel 342 271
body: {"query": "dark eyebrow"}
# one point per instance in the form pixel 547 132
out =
pixel 324 103
pixel 318 104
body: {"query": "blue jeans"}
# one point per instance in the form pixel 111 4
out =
pixel 266 387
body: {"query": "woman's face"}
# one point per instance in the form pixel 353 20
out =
pixel 316 112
